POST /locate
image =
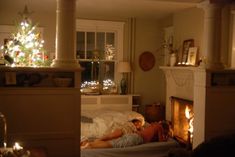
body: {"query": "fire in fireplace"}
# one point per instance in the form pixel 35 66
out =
pixel 189 115
pixel 182 120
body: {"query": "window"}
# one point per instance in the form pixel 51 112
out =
pixel 99 48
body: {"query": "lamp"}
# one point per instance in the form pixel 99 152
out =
pixel 123 67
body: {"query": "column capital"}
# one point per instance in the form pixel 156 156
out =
pixel 69 63
pixel 207 4
pixel 212 10
pixel 213 3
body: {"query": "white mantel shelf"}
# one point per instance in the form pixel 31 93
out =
pixel 193 68
pixel 178 68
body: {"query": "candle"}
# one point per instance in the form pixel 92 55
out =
pixel 17 146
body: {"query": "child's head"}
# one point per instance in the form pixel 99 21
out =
pixel 137 123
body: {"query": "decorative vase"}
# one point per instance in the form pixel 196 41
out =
pixel 173 59
pixel 123 85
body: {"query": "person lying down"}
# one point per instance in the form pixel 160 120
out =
pixel 157 131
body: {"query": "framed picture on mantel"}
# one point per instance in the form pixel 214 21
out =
pixel 186 45
pixel 192 56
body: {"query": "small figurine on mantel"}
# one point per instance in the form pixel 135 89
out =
pixel 173 59
pixel 202 62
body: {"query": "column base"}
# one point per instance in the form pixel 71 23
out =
pixel 68 63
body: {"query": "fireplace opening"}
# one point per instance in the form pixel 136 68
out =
pixel 182 120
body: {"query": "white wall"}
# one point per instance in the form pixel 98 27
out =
pixel 150 84
pixel 188 24
pixel 232 37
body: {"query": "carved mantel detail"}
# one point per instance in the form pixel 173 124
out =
pixel 179 83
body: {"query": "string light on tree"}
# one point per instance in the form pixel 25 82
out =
pixel 26 45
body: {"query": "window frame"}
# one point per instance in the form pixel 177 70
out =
pixel 84 25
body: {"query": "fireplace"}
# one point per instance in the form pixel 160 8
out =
pixel 182 119
pixel 213 99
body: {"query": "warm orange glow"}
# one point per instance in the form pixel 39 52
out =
pixel 190 118
pixel 191 125
pixel 187 112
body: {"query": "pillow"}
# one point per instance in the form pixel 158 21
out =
pixel 134 115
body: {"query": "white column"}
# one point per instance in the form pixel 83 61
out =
pixel 232 61
pixel 66 34
pixel 212 34
pixel 199 107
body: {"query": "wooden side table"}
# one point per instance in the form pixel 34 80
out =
pixel 154 112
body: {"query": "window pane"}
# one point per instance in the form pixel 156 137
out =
pixel 90 72
pixel 95 70
pixel 110 39
pixel 106 71
pixel 90 44
pixel 80 45
pixel 100 44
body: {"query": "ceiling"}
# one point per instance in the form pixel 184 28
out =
pixel 107 8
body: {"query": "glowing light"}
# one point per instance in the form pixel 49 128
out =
pixel 17 146
pixel 187 114
pixel 108 83
pixel 191 126
pixel 190 117
pixel 25 46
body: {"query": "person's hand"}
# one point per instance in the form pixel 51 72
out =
pixel 83 143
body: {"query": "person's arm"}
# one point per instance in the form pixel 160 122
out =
pixel 115 134
pixel 161 134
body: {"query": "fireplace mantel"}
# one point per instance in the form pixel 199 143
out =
pixel 191 68
pixel 179 83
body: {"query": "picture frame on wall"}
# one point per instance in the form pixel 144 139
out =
pixel 192 56
pixel 185 49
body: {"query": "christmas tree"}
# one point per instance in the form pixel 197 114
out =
pixel 26 45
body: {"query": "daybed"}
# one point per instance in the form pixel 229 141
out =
pixel 95 124
pixel 154 149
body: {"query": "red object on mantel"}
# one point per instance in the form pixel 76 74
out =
pixel 154 112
